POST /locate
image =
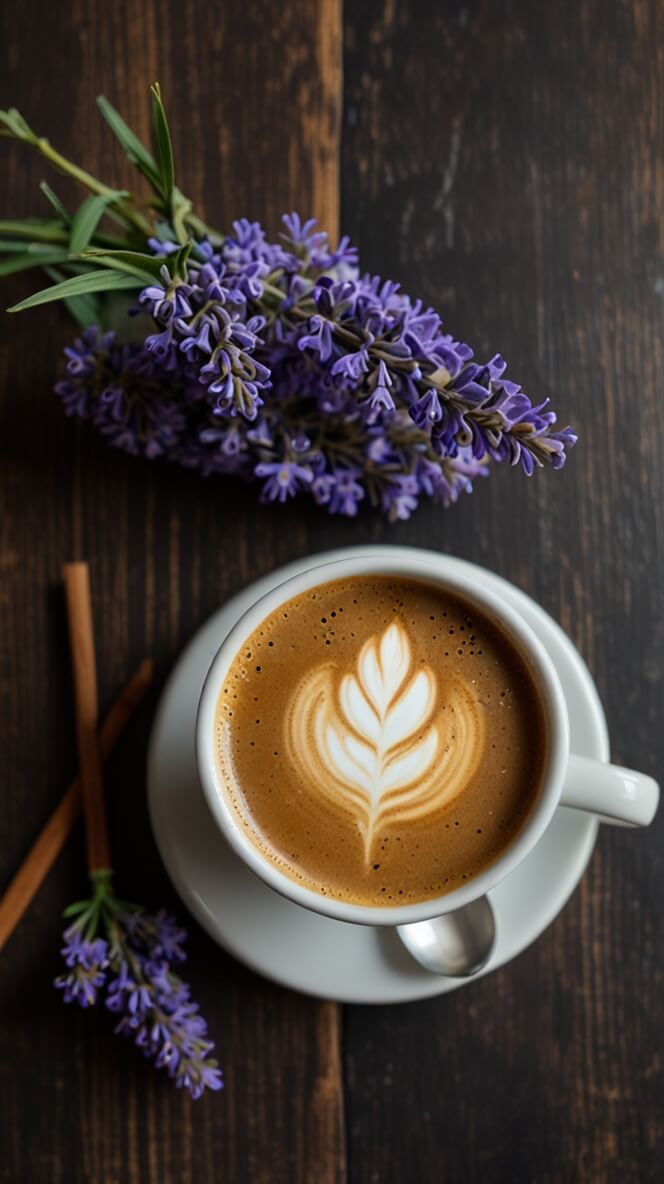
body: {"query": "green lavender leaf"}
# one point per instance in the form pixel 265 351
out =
pixel 87 218
pixel 162 145
pixel 73 910
pixel 181 207
pixel 136 263
pixel 46 230
pixel 16 125
pixel 55 202
pixel 178 262
pixel 35 256
pixel 11 244
pixel 163 231
pixel 79 285
pixel 135 150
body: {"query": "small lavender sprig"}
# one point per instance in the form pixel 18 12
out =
pixel 112 949
pixel 130 968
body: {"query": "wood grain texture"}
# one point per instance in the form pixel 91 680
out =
pixel 254 93
pixel 503 161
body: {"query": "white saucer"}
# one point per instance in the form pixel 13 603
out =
pixel 310 953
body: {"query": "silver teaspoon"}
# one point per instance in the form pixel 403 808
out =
pixel 456 945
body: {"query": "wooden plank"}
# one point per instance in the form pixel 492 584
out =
pixel 505 163
pixel 254 96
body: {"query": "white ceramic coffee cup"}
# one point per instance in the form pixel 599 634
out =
pixel 615 795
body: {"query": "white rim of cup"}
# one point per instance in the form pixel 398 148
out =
pixel 506 619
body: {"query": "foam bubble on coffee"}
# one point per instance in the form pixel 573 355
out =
pixel 379 740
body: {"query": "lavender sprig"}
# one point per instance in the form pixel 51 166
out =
pixel 115 950
pixel 130 969
pixel 277 361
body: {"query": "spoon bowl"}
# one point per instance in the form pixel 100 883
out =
pixel 457 944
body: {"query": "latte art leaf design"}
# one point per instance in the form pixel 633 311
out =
pixel 382 742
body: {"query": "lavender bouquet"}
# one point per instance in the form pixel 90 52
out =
pixel 276 361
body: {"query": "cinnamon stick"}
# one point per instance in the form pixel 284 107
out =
pixel 53 835
pixel 81 643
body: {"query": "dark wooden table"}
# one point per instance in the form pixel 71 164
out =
pixel 505 161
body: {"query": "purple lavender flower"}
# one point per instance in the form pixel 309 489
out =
pixel 134 967
pixel 303 235
pixel 319 338
pixel 313 245
pixel 377 339
pixel 445 481
pixel 87 962
pixel 248 246
pixel 278 362
pixel 341 491
pixel 400 496
pixel 206 318
pixel 284 479
pixel 125 392
pixel 379 397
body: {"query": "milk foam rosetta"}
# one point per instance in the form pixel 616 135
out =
pixel 379 740
pixel 385 740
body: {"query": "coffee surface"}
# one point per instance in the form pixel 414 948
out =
pixel 380 740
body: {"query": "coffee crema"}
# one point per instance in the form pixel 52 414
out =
pixel 380 740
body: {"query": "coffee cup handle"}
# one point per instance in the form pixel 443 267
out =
pixel 621 797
